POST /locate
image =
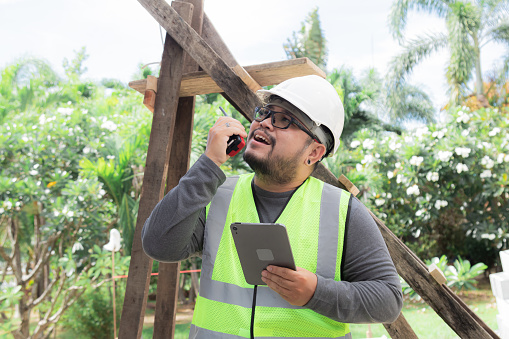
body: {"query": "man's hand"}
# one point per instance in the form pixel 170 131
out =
pixel 296 287
pixel 218 137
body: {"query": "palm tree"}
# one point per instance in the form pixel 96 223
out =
pixel 470 26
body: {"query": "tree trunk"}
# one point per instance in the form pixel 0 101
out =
pixel 478 74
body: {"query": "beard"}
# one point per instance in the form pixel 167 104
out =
pixel 275 168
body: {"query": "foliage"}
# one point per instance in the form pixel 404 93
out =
pixel 309 41
pixel 51 210
pixel 92 314
pixel 442 189
pixel 470 25
pixel 461 275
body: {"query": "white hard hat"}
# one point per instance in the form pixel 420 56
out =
pixel 316 98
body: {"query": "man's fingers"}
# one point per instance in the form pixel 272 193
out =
pixel 283 272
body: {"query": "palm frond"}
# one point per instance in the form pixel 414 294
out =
pixel 500 33
pixel 410 103
pixel 400 9
pixel 414 52
pixel 494 11
pixel 462 58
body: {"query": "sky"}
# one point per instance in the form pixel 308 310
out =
pixel 121 34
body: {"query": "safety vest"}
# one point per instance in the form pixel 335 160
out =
pixel 315 221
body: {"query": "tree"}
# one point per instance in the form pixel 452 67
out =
pixel 53 211
pixel 470 26
pixel 309 41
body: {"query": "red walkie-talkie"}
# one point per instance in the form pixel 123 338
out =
pixel 235 143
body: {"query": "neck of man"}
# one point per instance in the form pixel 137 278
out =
pixel 266 183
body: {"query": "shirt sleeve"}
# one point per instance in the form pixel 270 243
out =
pixel 174 231
pixel 370 290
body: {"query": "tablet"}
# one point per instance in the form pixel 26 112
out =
pixel 260 245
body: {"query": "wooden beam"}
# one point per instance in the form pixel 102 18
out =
pixel 204 55
pixel 198 83
pixel 168 281
pixel 154 179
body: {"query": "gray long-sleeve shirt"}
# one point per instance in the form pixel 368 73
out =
pixel 370 290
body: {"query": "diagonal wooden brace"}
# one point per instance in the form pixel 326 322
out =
pixel 204 55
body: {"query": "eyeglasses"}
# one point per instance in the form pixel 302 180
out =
pixel 280 120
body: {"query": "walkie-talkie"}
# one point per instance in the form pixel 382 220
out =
pixel 235 143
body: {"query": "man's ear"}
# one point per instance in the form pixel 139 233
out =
pixel 316 153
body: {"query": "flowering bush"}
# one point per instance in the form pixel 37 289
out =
pixel 443 188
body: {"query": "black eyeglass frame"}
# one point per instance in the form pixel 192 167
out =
pixel 292 121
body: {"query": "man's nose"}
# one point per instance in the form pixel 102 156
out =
pixel 267 123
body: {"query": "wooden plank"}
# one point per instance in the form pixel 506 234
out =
pixel 163 123
pixel 168 281
pixel 273 73
pixel 417 276
pixel 204 55
pixel 400 329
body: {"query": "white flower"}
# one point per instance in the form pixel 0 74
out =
pixel 465 132
pixel 368 144
pixel 110 157
pixel 413 190
pixel 33 172
pixel 463 151
pixel 463 117
pixel 400 178
pixel 65 110
pixel 77 247
pixel 390 174
pixel 358 167
pixel 419 212
pixel 398 164
pixel 379 202
pixel 432 176
pixel 102 192
pixel 486 174
pixel 416 161
pixel 500 158
pixel 24 138
pixel 355 144
pixel 394 146
pixel 439 134
pixel 409 139
pixel 488 236
pixel 421 131
pixel 389 196
pixel 109 125
pixel 1 210
pixel 86 150
pixel 494 132
pixel 488 162
pixel 444 155
pixel 461 168
pixel 440 203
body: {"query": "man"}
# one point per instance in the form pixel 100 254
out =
pixel 344 275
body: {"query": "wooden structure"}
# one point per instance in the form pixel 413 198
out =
pixel 192 43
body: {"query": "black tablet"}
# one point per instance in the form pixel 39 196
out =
pixel 261 245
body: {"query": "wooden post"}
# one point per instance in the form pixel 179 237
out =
pixel 168 280
pixel 154 180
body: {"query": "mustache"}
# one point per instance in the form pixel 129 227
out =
pixel 270 137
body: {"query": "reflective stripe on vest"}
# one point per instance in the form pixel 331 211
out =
pixel 315 219
pixel 198 332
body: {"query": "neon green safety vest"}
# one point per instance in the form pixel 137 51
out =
pixel 315 221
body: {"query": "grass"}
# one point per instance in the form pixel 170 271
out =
pixel 421 317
